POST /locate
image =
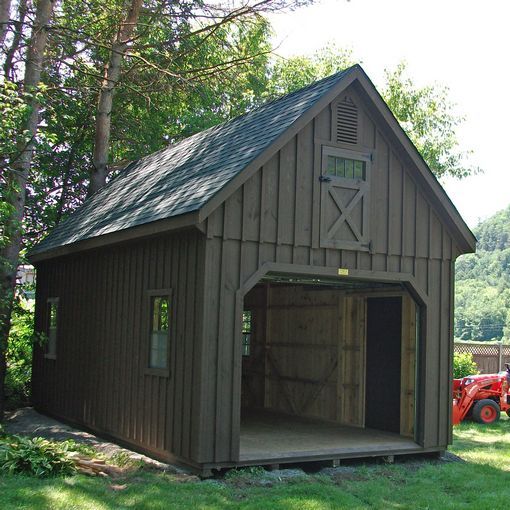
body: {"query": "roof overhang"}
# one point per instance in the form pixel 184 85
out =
pixel 146 230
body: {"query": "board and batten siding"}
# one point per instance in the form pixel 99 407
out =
pixel 274 217
pixel 99 377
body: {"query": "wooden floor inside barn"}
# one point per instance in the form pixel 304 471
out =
pixel 267 436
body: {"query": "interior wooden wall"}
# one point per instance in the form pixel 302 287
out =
pixel 302 349
pixel 308 356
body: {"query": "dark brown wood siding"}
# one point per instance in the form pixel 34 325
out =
pixel 275 218
pixel 100 376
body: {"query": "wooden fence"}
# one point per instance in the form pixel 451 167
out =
pixel 490 358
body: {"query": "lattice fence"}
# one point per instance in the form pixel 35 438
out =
pixel 490 358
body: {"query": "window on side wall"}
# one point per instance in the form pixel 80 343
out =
pixel 159 331
pixel 247 332
pixel 52 329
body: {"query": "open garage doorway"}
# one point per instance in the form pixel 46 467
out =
pixel 328 370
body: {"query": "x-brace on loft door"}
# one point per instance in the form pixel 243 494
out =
pixel 344 207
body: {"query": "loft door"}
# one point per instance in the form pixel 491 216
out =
pixel 345 178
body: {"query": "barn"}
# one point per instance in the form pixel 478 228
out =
pixel 275 289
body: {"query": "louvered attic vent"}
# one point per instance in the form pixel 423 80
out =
pixel 346 121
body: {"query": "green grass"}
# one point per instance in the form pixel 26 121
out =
pixel 481 482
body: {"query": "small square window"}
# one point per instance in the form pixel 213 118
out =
pixel 159 335
pixel 247 332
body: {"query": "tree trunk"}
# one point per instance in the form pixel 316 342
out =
pixel 112 70
pixel 16 39
pixel 5 16
pixel 17 181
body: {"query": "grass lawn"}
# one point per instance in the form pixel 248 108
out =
pixel 481 482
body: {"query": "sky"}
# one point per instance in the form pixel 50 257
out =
pixel 464 45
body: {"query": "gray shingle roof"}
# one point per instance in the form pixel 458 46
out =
pixel 182 178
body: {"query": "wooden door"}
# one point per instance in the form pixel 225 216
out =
pixel 344 209
pixel 383 363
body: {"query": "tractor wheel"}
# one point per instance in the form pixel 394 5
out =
pixel 486 411
pixel 508 412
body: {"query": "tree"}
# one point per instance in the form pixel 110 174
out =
pixel 428 117
pixel 161 38
pixel 18 166
pixel 288 75
pixel 425 113
pixel 119 46
pixel 109 57
pixel 5 16
pixel 149 111
pixel 482 282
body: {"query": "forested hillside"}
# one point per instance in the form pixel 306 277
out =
pixel 483 283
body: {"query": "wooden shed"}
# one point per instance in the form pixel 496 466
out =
pixel 278 288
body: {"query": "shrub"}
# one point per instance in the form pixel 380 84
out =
pixel 463 365
pixel 35 456
pixel 19 355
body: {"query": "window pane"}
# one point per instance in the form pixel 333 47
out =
pixel 163 311
pixel 331 165
pixel 159 350
pixel 247 331
pixel 349 169
pixel 340 167
pixel 357 169
pixel 246 344
pixel 51 346
pixel 52 341
pixel 160 312
pixel 346 168
pixel 155 313
pixel 246 322
pixel 53 315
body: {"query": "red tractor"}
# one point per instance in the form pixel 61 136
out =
pixel 481 397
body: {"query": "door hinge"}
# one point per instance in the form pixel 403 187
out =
pixel 324 178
